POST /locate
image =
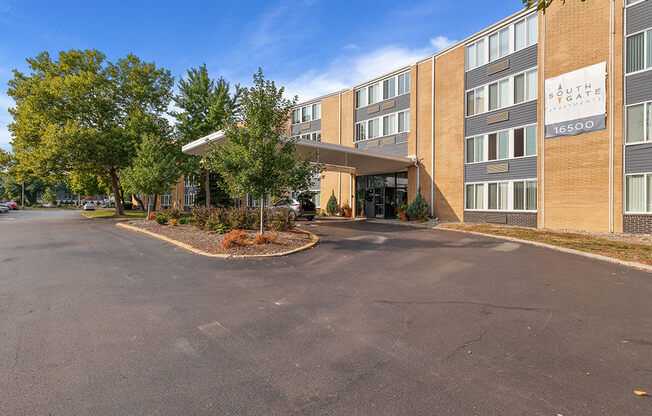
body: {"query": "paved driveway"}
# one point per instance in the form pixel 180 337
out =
pixel 376 320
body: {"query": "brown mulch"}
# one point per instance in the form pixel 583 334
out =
pixel 210 242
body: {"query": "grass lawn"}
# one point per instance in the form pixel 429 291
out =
pixel 108 213
pixel 628 251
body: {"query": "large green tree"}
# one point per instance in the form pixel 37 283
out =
pixel 81 113
pixel 205 106
pixel 155 168
pixel 256 159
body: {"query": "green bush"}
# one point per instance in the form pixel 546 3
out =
pixel 418 210
pixel 161 219
pixel 332 207
pixel 173 214
pixel 223 220
pixel 280 221
pixel 185 220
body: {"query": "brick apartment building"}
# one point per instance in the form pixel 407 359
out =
pixel 541 120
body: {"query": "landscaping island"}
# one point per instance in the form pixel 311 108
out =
pixel 225 232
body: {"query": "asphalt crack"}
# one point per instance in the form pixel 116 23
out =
pixel 466 344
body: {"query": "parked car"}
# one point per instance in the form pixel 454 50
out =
pixel 89 206
pixel 103 205
pixel 12 205
pixel 299 207
pixel 4 208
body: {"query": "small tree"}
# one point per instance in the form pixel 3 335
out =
pixel 418 209
pixel 332 207
pixel 49 196
pixel 257 159
pixel 155 167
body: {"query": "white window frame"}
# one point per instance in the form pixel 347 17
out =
pixel 631 4
pixel 510 144
pixel 380 85
pixel 308 107
pixel 510 91
pixel 510 196
pixel 189 200
pixel 647 176
pixel 645 51
pixel 485 105
pixel 379 120
pixel 646 123
pixel 511 41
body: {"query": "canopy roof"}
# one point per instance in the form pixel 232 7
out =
pixel 334 157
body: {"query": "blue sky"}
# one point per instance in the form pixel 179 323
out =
pixel 311 46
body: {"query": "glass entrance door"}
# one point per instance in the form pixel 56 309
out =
pixel 379 202
pixel 379 196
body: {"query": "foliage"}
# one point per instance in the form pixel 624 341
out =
pixel 540 4
pixel 418 209
pixel 49 196
pixel 225 219
pixel 402 208
pixel 205 106
pixel 173 213
pixel 280 221
pixel 265 239
pixel 83 183
pixel 185 220
pixel 173 222
pixel 218 196
pixel 161 219
pixel 81 113
pixel 332 207
pixel 256 159
pixel 155 168
pixel 5 160
pixel 235 238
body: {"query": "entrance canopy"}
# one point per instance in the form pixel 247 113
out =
pixel 334 157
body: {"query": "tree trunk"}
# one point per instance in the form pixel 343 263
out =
pixel 140 201
pixel 113 178
pixel 262 216
pixel 155 201
pixel 208 189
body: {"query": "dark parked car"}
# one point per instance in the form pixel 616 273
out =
pixel 299 207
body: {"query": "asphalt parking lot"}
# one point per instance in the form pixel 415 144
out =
pixel 375 320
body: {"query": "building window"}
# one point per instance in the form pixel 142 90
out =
pixel 499 145
pixel 360 98
pixel 189 200
pixel 525 141
pixel 404 83
pixel 526 32
pixel 499 95
pixel 525 86
pixel 475 101
pixel 306 113
pixel 498 196
pixel 475 196
pixel 638 193
pixel 475 149
pixel 373 93
pixel 189 180
pixel 389 88
pixel 639 51
pixel 632 2
pixel 373 128
pixel 361 131
pixel 639 123
pixel 499 44
pixel 314 136
pixel 389 125
pixel 166 199
pixel 525 195
pixel 475 55
pixel 404 121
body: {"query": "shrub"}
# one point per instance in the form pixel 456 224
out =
pixel 173 213
pixel 161 219
pixel 152 216
pixel 201 215
pixel 332 207
pixel 265 239
pixel 323 214
pixel 173 222
pixel 234 239
pixel 185 220
pixel 418 209
pixel 280 221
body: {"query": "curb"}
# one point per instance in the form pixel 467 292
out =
pixel 313 241
pixel 631 264
pixel 325 221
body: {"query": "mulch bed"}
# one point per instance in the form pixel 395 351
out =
pixel 210 242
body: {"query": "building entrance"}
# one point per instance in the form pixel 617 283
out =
pixel 379 196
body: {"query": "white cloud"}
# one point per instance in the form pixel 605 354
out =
pixel 348 71
pixel 441 42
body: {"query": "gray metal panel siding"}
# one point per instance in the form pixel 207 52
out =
pixel 638 158
pixel 402 103
pixel 399 148
pixel 519 115
pixel 315 125
pixel 638 87
pixel 518 62
pixel 639 17
pixel 519 168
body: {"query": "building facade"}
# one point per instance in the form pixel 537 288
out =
pixel 541 120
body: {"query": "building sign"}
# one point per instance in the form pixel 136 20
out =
pixel 575 102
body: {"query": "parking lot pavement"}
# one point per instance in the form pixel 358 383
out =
pixel 377 319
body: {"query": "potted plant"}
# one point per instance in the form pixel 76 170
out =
pixel 346 209
pixel 402 212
